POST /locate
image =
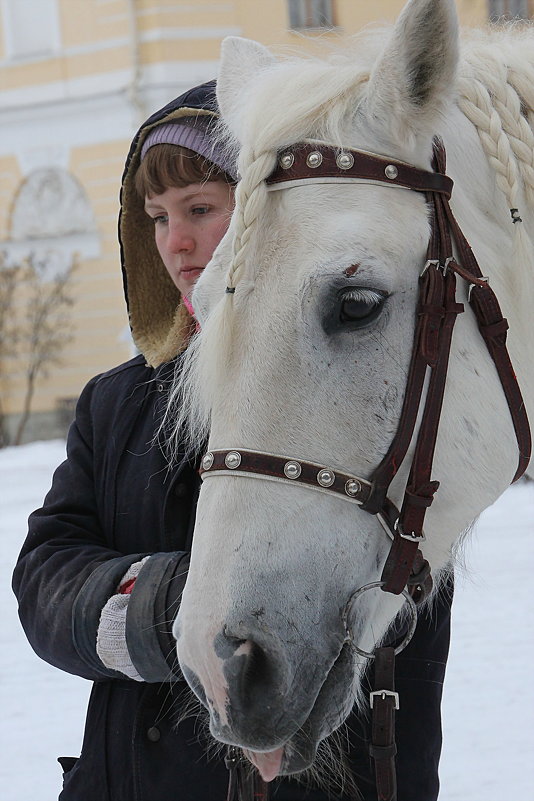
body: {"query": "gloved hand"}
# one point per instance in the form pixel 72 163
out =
pixel 111 635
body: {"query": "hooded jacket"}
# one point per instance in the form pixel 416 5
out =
pixel 115 500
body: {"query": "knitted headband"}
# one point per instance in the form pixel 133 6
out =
pixel 193 133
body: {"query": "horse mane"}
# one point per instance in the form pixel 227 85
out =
pixel 495 91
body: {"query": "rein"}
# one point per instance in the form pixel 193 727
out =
pixel 405 569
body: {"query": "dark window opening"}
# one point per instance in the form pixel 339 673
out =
pixel 310 14
pixel 503 10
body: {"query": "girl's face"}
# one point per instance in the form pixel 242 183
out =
pixel 190 222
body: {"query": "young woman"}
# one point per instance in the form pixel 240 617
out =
pixel 101 573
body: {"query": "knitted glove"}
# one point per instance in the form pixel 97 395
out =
pixel 111 635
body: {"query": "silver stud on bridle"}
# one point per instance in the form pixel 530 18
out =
pixel 207 461
pixel 352 487
pixel 286 161
pixel 326 477
pixel 232 460
pixel 292 470
pixel 345 161
pixel 314 159
pixel 391 172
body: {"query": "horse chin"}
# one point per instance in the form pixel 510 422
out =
pixel 331 708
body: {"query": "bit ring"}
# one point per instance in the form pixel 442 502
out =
pixel 411 628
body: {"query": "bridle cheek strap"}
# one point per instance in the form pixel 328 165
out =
pixel 436 315
pixel 384 702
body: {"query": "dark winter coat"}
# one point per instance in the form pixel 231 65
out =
pixel 114 500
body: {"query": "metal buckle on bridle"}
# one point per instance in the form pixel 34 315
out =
pixel 408 535
pixel 473 284
pixel 382 694
pixel 386 525
pixel 429 263
pixel 446 265
pixel 437 264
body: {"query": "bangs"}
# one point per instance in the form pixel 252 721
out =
pixel 165 166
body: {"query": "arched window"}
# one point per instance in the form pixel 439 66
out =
pixel 52 217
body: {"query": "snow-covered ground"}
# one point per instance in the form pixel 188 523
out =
pixel 488 708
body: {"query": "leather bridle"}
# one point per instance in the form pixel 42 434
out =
pixel 436 314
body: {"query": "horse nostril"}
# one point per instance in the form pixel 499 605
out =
pixel 226 644
pixel 251 672
pixel 253 664
pixel 257 665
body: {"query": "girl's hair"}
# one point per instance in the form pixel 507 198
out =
pixel 165 166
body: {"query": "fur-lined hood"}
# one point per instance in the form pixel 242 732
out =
pixel 160 323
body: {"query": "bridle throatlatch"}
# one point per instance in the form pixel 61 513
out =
pixel 405 570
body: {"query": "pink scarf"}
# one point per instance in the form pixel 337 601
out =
pixel 189 307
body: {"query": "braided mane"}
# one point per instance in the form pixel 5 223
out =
pixel 496 93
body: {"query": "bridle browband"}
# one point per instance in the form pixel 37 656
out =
pixel 437 310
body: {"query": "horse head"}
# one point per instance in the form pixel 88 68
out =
pixel 308 311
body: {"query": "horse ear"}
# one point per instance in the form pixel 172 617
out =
pixel 413 80
pixel 241 60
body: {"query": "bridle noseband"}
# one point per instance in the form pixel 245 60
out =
pixel 349 487
pixel 437 310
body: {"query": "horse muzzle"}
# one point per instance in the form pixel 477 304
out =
pixel 275 697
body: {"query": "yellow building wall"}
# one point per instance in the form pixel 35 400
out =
pixel 83 24
pixel 88 23
pixel 200 15
pixel 268 22
pixel 104 38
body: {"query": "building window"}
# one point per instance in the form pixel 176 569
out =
pixel 50 202
pixel 310 14
pixel 510 9
pixel 31 28
pixel 51 219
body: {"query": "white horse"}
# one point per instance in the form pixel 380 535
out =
pixel 307 357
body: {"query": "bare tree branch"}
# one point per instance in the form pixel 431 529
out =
pixel 8 330
pixel 35 326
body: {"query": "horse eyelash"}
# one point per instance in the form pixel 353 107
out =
pixel 359 293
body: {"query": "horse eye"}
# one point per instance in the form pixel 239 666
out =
pixel 360 305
